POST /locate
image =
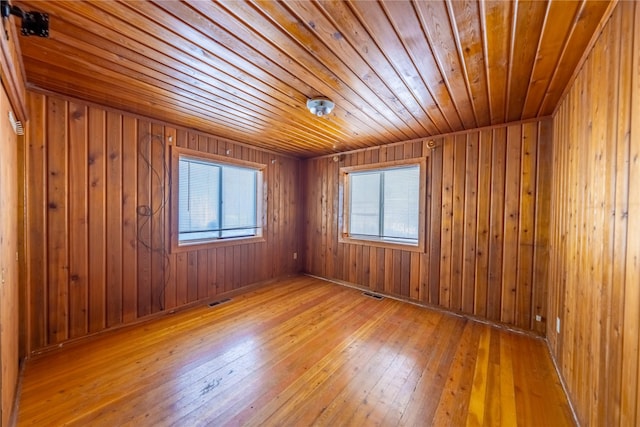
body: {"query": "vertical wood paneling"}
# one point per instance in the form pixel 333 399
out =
pixel 447 222
pixel 482 188
pixel 595 226
pixel 170 293
pixel 470 222
pixel 631 347
pixel 97 233
pixel 332 227
pixel 36 224
pixel 457 250
pixel 496 223
pixel 144 139
pixel 79 223
pixel 203 271
pixel 158 203
pixel 129 218
pixel 483 236
pixel 594 266
pixel 97 209
pixel 525 264
pixel 324 232
pixel 620 110
pixel 9 272
pixel 57 222
pixel 212 286
pixel 405 272
pixel 114 226
pixel 414 277
pixel 220 272
pixel 435 229
pixel 273 231
pixel 511 218
pixel 609 187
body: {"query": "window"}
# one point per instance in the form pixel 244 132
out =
pixel 383 204
pixel 218 199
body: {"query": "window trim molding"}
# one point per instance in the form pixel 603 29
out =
pixel 343 205
pixel 261 201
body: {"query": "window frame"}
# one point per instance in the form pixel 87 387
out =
pixel 344 205
pixel 261 200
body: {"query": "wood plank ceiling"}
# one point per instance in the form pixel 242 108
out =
pixel 397 70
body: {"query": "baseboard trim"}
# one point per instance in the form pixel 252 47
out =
pixel 563 384
pixel 13 419
pixel 477 319
pixel 202 302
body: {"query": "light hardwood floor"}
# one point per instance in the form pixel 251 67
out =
pixel 299 352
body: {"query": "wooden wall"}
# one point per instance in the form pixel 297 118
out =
pixel 12 98
pixel 8 261
pixel 487 225
pixel 595 246
pixel 96 258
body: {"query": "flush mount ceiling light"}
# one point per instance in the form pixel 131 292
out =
pixel 320 106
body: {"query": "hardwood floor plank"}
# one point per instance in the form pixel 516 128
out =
pixel 127 359
pixel 366 376
pixel 454 401
pixel 475 415
pixel 508 414
pixel 236 367
pixel 492 405
pixel 428 391
pixel 281 374
pixel 382 398
pixel 302 351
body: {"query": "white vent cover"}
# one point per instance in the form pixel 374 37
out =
pixel 16 124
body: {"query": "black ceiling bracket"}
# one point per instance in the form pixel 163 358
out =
pixel 33 23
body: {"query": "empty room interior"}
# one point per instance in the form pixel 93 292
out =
pixel 289 213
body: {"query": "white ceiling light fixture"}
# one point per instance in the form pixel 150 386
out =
pixel 320 106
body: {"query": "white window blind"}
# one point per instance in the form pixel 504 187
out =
pixel 384 204
pixel 365 203
pixel 216 201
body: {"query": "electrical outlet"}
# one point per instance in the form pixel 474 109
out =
pixel 557 324
pixel 295 255
pixel 538 318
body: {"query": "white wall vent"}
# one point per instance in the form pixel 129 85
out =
pixel 16 124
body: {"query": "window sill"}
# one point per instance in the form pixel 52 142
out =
pixel 382 244
pixel 213 244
